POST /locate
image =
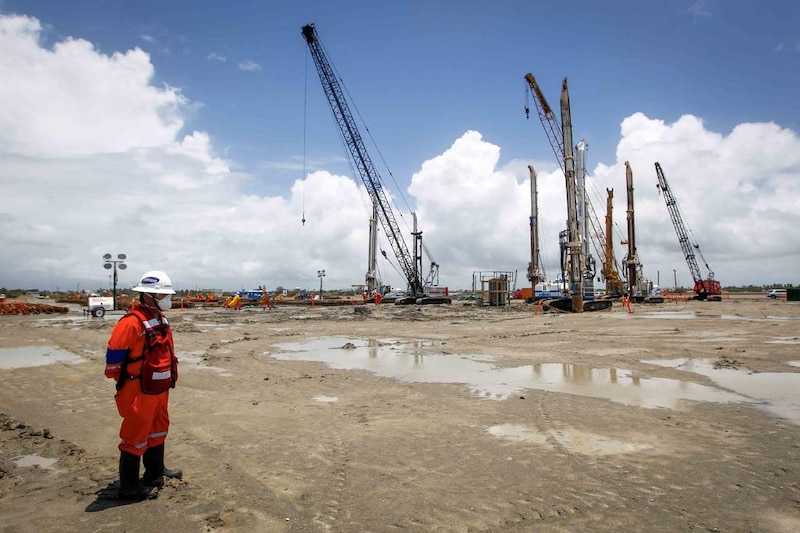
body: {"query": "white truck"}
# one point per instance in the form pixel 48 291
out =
pixel 98 305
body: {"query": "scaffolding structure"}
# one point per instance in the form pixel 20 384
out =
pixel 494 287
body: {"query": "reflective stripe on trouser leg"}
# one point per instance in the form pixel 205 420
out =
pixel 145 421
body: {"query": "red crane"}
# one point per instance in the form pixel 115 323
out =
pixel 705 289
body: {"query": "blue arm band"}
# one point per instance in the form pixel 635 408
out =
pixel 115 357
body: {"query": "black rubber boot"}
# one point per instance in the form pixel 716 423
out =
pixel 129 486
pixel 154 469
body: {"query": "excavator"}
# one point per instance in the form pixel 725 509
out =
pixel 705 289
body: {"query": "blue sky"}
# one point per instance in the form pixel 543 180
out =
pixel 422 74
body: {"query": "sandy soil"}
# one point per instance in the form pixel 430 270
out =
pixel 268 444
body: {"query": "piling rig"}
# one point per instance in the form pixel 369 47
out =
pixel 575 259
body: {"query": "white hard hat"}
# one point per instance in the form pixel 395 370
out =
pixel 155 282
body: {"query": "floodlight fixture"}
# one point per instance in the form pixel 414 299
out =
pixel 320 275
pixel 118 263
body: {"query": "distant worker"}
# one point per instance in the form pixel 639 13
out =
pixel 266 299
pixel 141 359
pixel 233 302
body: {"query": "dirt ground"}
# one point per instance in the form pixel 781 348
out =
pixel 269 443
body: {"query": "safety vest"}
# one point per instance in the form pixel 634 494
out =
pixel 159 367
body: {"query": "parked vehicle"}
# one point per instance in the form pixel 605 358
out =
pixel 98 305
pixel 776 293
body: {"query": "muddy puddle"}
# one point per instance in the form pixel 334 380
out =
pixel 572 440
pixel 34 461
pixel 775 393
pixel 26 356
pixel 691 315
pixel 407 362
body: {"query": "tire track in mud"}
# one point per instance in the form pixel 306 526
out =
pixel 224 495
pixel 335 457
pixel 617 487
pixel 600 490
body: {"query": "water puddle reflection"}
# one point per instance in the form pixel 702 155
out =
pixel 572 440
pixel 30 461
pixel 775 393
pixel 691 315
pixel 26 356
pixel 768 318
pixel 785 340
pixel 325 399
pixel 197 360
pixel 406 362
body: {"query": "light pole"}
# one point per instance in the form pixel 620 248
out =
pixel 119 262
pixel 320 275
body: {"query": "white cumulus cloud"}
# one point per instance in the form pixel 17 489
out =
pixel 94 159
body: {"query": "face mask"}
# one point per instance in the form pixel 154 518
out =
pixel 165 303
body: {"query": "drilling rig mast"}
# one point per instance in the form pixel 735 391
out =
pixel 575 259
pixel 632 259
pixel 639 288
pixel 614 286
pixel 586 213
pixel 535 272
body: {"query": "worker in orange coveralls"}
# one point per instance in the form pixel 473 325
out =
pixel 141 359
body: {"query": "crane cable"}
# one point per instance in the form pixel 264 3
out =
pixel 380 156
pixel 305 124
pixel 342 140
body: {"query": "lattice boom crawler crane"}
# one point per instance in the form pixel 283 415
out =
pixel 705 289
pixel 411 266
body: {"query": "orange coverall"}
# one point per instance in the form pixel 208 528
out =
pixel 145 417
